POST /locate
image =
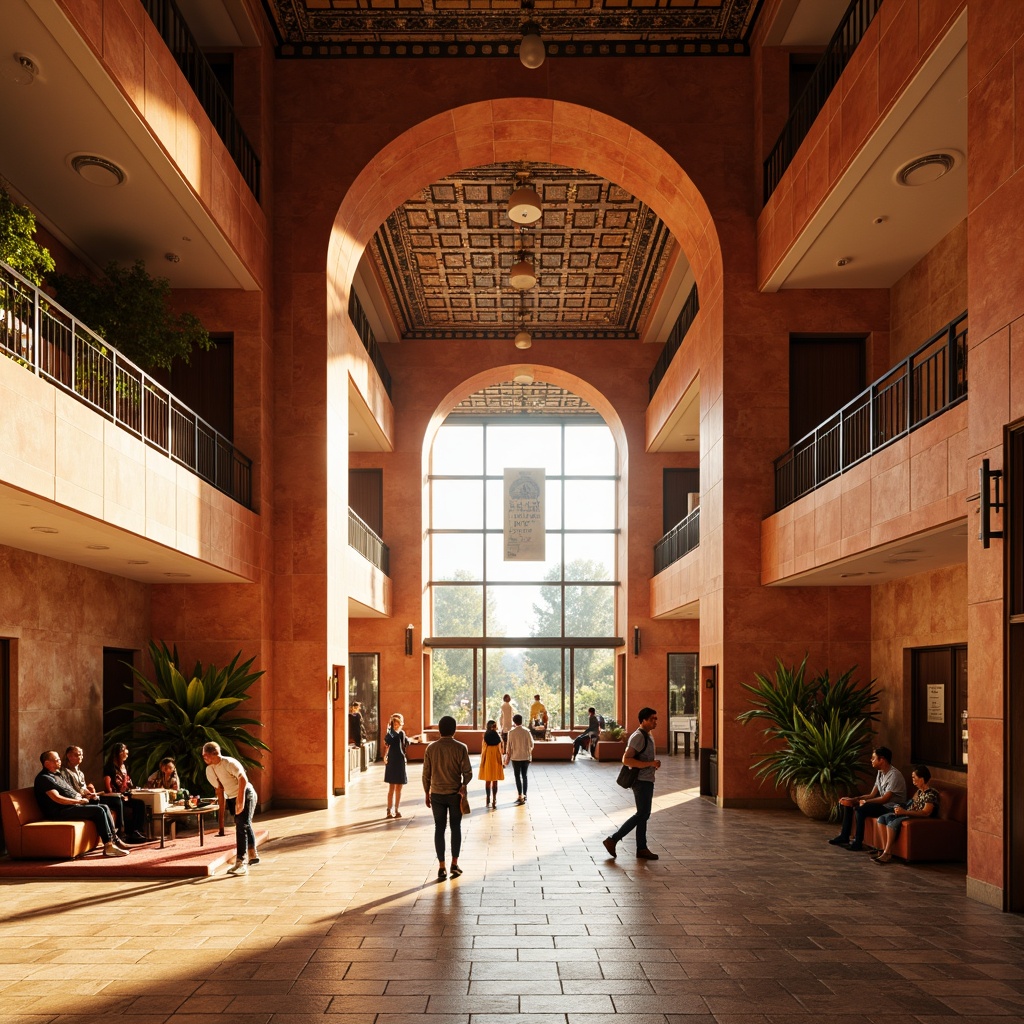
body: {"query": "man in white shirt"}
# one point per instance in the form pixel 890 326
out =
pixel 890 789
pixel 228 778
pixel 519 750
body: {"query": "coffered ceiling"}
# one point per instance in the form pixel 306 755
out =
pixel 490 28
pixel 598 252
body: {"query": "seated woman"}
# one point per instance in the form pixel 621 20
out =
pixel 117 786
pixel 165 777
pixel 923 804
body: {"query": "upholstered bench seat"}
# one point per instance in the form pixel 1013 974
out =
pixel 29 836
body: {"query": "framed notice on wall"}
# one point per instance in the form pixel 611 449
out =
pixel 936 703
pixel 523 498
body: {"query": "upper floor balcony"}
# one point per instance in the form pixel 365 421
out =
pixel 43 337
pixel 369 582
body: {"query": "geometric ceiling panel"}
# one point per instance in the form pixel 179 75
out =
pixel 514 398
pixel 491 28
pixel 444 257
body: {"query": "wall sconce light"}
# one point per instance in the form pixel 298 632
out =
pixel 987 503
pixel 636 641
pixel 408 640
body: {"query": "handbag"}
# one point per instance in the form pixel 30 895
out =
pixel 466 809
pixel 627 776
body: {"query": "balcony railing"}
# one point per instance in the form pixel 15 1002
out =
pixel 679 541
pixel 368 544
pixel 365 332
pixel 200 76
pixel 686 317
pixel 927 383
pixel 823 80
pixel 44 338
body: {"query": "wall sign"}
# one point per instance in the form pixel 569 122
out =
pixel 936 703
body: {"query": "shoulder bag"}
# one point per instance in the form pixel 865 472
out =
pixel 627 776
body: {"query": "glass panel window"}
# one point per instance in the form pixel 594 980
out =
pixel 458 451
pixel 499 570
pixel 593 684
pixel 458 611
pixel 589 451
pixel 452 684
pixel 457 556
pixel 456 504
pixel 589 611
pixel 590 504
pixel 589 556
pixel 516 610
pixel 527 447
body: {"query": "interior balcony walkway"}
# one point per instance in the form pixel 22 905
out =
pixel 749 917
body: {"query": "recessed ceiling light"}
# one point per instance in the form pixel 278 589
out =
pixel 923 170
pixel 844 261
pixel 98 547
pixel 178 575
pixel 97 171
pixel 22 70
pixel 847 575
pixel 138 561
pixel 44 529
pixel 899 561
pixel 172 257
pixel 880 220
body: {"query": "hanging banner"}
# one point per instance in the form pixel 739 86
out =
pixel 524 515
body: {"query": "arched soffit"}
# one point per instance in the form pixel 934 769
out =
pixel 550 374
pixel 537 130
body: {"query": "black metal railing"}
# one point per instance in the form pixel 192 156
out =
pixel 691 307
pixel 680 540
pixel 368 544
pixel 823 80
pixel 927 383
pixel 365 332
pixel 46 339
pixel 211 95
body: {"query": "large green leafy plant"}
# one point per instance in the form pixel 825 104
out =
pixel 178 715
pixel 822 726
pixel 129 309
pixel 18 247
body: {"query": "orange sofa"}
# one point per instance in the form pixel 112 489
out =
pixel 943 836
pixel 29 836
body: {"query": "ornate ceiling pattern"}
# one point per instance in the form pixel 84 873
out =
pixel 491 28
pixel 598 253
pixel 515 398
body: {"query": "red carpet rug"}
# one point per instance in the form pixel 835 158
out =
pixel 182 858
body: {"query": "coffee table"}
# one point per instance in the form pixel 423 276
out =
pixel 184 812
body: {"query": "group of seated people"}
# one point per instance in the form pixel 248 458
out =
pixel 64 794
pixel 887 802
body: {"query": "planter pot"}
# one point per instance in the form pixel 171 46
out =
pixel 813 802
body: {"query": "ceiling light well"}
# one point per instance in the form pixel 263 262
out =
pixel 923 170
pixel 97 170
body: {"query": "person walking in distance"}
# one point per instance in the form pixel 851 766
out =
pixel 228 778
pixel 505 713
pixel 519 751
pixel 639 754
pixel 446 774
pixel 395 774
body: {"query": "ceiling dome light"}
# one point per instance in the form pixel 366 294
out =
pixel 522 275
pixel 524 339
pixel 524 377
pixel 22 70
pixel 531 49
pixel 524 205
pixel 926 169
pixel 98 171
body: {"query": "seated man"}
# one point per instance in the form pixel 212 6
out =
pixel 59 801
pixel 890 789
pixel 538 717
pixel 591 734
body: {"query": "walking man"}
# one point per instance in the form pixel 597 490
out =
pixel 446 774
pixel 639 754
pixel 505 713
pixel 228 778
pixel 519 750
pixel 59 801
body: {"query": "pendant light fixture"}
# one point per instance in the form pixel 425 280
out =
pixel 523 339
pixel 531 47
pixel 522 275
pixel 524 202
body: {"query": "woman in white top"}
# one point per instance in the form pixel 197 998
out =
pixel 228 778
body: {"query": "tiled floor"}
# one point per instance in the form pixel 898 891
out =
pixel 748 917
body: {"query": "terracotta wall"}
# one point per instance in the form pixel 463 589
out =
pixel 927 610
pixel 894 48
pixel 60 617
pixel 995 292
pixel 929 295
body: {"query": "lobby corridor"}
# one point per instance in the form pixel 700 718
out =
pixel 748 917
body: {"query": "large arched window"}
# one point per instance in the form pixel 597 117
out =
pixel 523 627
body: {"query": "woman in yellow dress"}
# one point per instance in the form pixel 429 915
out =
pixel 491 771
